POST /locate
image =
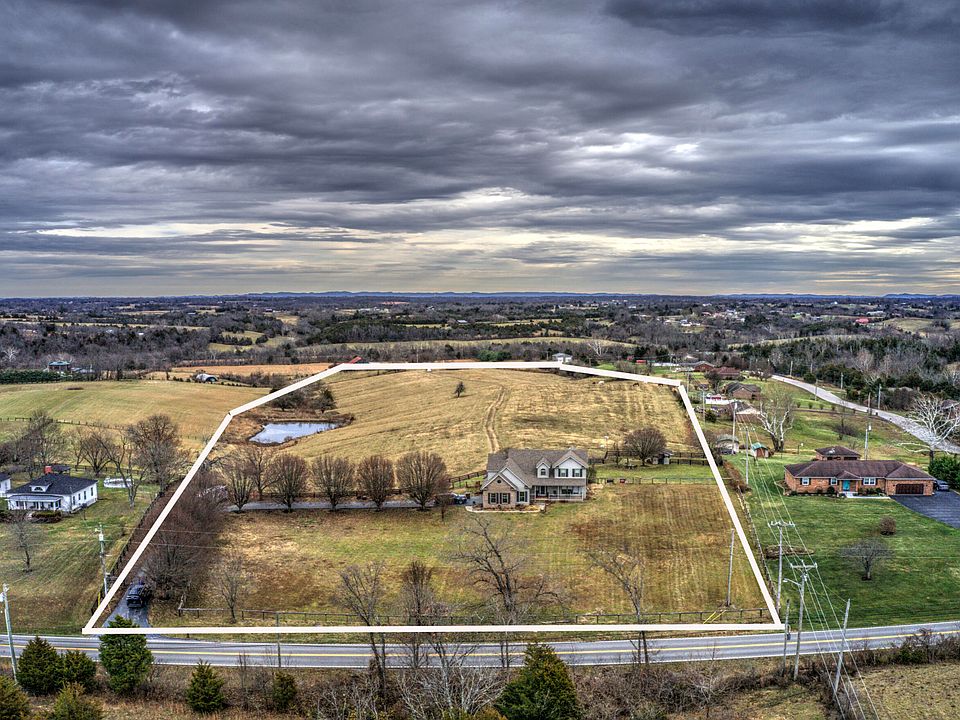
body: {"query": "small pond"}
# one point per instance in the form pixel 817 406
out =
pixel 282 431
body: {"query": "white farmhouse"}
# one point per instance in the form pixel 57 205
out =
pixel 54 491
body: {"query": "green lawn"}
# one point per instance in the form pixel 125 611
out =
pixel 921 582
pixel 56 595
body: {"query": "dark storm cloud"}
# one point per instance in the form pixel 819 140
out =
pixel 241 145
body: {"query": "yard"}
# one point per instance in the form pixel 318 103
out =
pixel 682 530
pixel 396 412
pixel 914 586
pixel 56 595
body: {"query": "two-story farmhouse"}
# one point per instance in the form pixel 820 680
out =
pixel 889 476
pixel 521 476
pixel 54 491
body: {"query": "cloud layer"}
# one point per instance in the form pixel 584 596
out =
pixel 639 145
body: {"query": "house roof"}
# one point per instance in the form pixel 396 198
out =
pixel 837 451
pixel 4 477
pixel 56 484
pixel 858 469
pixel 749 387
pixel 523 462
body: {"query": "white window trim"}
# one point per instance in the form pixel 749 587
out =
pixel 869 481
pixel 804 481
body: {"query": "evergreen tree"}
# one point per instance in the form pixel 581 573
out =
pixel 76 667
pixel 284 691
pixel 541 690
pixel 72 704
pixel 205 692
pixel 125 658
pixel 13 702
pixel 38 669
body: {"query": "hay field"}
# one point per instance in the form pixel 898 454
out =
pixel 682 530
pixel 198 409
pixel 399 411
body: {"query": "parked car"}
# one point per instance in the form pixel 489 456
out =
pixel 459 499
pixel 941 485
pixel 138 595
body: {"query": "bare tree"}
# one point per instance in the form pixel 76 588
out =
pixel 776 415
pixel 288 477
pixel 156 448
pixel 96 448
pixel 939 423
pixel 460 389
pixel 599 346
pixel 24 535
pixel 238 481
pixel 867 554
pixel 10 354
pixel 496 561
pixel 422 476
pixel 120 457
pixel 421 606
pixel 362 592
pixel 232 581
pixel 257 459
pixel 42 442
pixel 375 474
pixel 645 443
pixel 626 566
pixel 335 478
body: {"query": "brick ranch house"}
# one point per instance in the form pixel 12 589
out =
pixel 888 476
pixel 521 476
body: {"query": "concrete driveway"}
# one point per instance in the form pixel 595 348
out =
pixel 942 506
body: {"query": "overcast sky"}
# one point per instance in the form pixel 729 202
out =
pixel 686 146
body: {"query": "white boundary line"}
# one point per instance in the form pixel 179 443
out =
pixel 91 629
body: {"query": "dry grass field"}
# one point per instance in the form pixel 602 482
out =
pixel 399 411
pixel 906 692
pixel 297 371
pixel 682 530
pixel 198 409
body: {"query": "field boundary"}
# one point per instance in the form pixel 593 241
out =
pixel 91 629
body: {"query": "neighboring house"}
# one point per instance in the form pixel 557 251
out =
pixel 60 366
pixel 521 476
pixel 205 377
pixel 54 491
pixel 703 366
pixel 836 452
pixel 563 357
pixel 742 391
pixel 759 450
pixel 889 476
pixel 728 444
pixel 4 484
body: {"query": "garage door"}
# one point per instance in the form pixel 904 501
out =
pixel 909 489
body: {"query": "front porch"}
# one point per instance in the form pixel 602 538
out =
pixel 559 493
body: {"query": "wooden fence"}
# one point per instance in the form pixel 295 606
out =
pixel 293 617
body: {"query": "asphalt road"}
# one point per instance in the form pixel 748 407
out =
pixel 904 423
pixel 607 652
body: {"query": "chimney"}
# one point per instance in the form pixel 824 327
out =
pixel 47 470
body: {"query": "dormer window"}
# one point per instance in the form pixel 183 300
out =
pixel 543 471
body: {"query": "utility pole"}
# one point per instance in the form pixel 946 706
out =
pixel 879 388
pixel 841 381
pixel 780 525
pixel 786 637
pixel 791 367
pixel 5 597
pixel 866 442
pixel 103 558
pixel 733 536
pixel 746 462
pixel 804 575
pixel 843 642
